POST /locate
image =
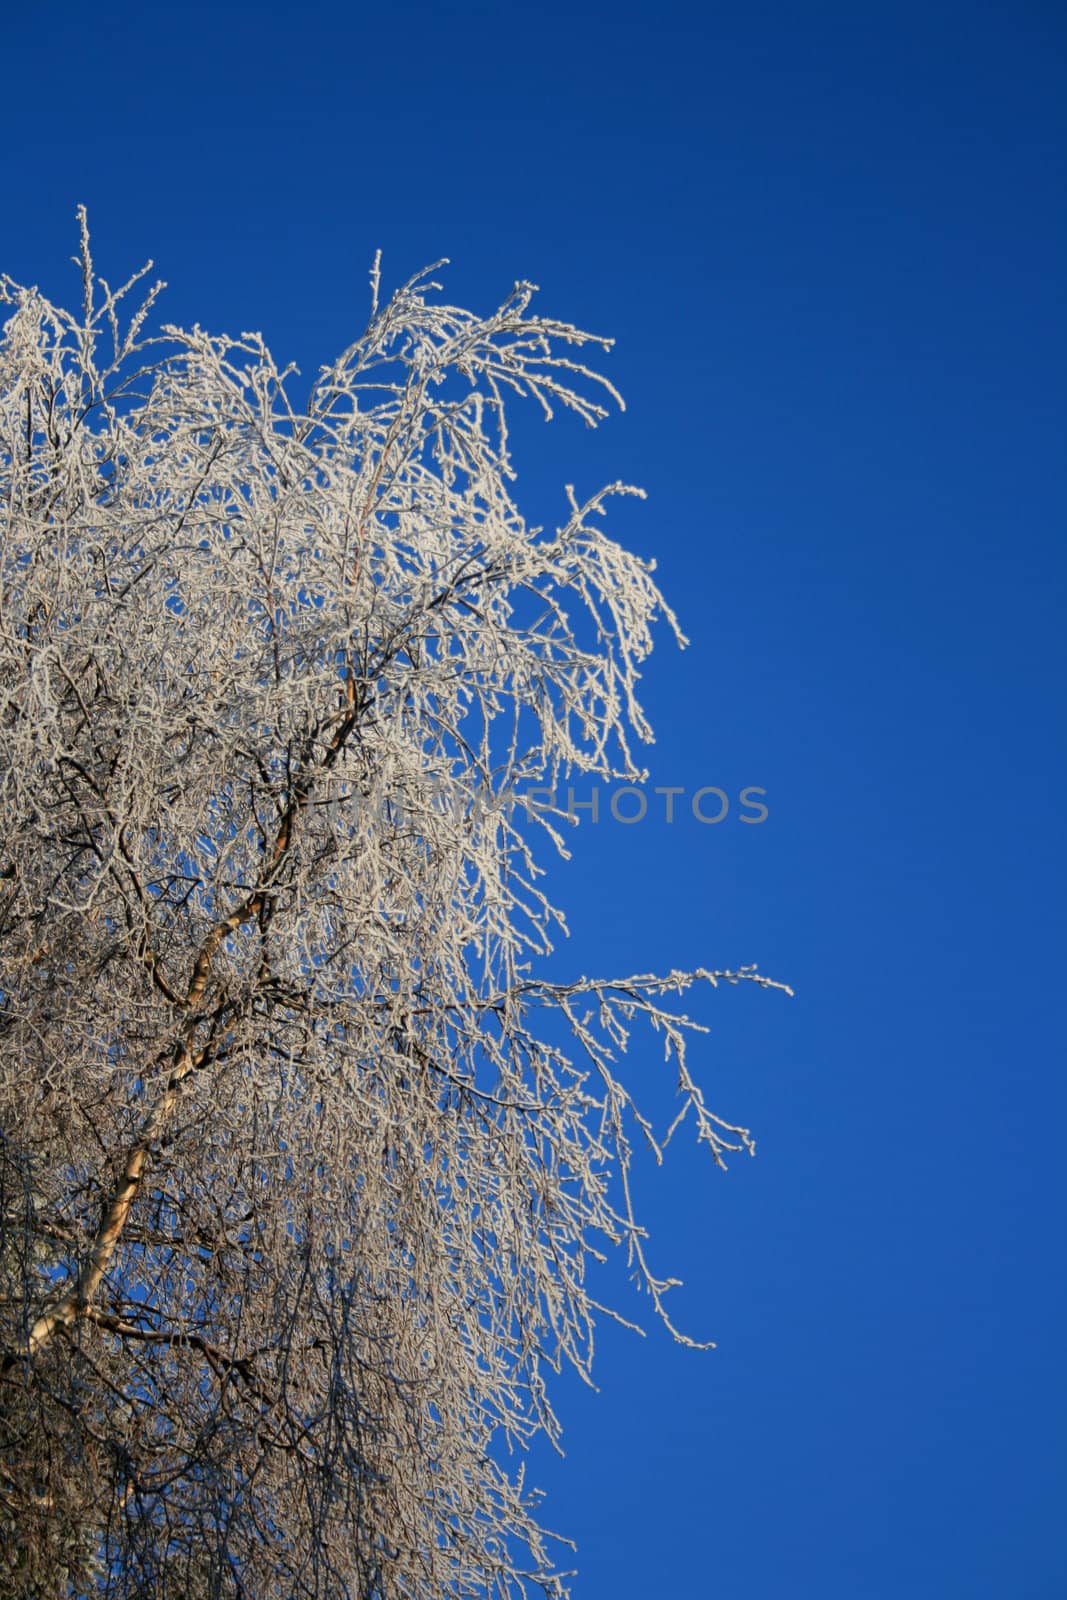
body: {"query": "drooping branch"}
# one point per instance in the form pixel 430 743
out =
pixel 271 675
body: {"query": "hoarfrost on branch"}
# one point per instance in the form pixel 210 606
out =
pixel 299 1182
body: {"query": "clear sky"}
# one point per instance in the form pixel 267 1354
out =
pixel 830 242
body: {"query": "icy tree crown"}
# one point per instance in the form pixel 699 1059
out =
pixel 297 1198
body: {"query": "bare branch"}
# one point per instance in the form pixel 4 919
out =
pixel 304 1169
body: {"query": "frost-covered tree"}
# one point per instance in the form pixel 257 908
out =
pixel 299 1177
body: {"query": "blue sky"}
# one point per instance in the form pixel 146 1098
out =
pixel 830 242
